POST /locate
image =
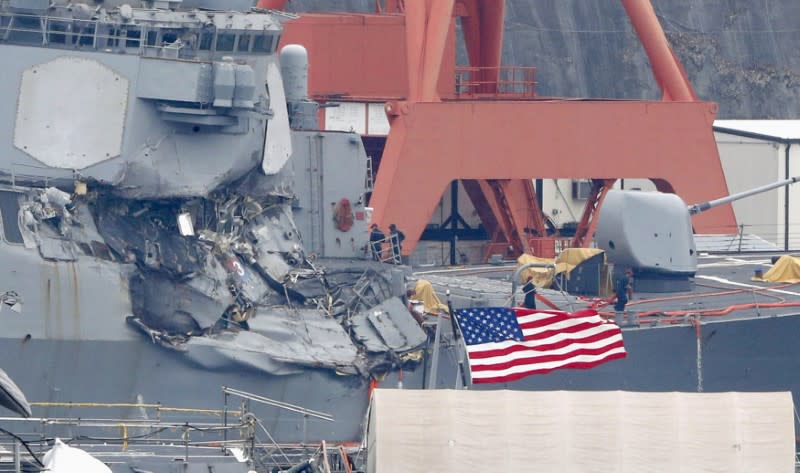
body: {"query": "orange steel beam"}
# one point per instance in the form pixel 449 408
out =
pixel 478 192
pixel 430 144
pixel 438 27
pixel 506 217
pixel 427 28
pixel 493 215
pixel 434 140
pixel 529 207
pixel 588 224
pixel 602 140
pixel 519 198
pixel 482 26
pixel 271 4
pixel 391 6
pixel 668 72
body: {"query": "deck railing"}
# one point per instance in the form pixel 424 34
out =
pixel 185 40
pixel 511 82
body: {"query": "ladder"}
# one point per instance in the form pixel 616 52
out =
pixel 369 183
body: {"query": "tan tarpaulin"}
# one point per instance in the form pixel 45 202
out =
pixel 565 262
pixel 415 431
pixel 786 269
pixel 423 291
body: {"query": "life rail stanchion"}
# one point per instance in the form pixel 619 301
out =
pixel 460 350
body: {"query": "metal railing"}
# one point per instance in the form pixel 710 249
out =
pixel 511 82
pixel 69 32
pixel 386 250
pixel 140 38
pixel 753 237
pixel 548 247
pixel 164 432
pixel 194 435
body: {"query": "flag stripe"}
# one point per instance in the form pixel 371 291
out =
pixel 544 319
pixel 499 365
pixel 577 364
pixel 554 341
pixel 506 344
pixel 480 359
pixel 596 358
pixel 531 330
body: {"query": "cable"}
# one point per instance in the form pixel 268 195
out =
pixel 24 444
pixel 711 312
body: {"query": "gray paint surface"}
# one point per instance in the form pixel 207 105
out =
pixel 74 339
pixel 330 167
pixel 111 299
pixel 647 231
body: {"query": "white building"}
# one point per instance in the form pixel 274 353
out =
pixel 758 152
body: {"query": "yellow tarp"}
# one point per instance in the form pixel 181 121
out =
pixel 542 277
pixel 564 263
pixel 786 269
pixel 423 291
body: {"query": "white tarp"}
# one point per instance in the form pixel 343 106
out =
pixel 65 459
pixel 570 432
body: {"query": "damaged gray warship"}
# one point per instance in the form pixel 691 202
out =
pixel 159 164
pixel 176 231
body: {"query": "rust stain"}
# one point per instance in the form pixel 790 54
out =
pixel 59 310
pixel 76 301
pixel 47 300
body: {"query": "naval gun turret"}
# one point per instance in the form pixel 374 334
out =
pixel 651 232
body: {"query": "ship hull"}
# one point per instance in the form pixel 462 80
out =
pixel 758 354
pixel 136 371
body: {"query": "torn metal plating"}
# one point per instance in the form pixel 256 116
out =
pixel 224 280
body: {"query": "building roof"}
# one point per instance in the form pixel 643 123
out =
pixel 773 130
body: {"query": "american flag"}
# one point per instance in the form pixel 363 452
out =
pixel 505 344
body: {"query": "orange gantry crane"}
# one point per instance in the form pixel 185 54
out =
pixel 485 125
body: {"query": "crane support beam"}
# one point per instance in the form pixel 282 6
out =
pixel 553 138
pixel 668 71
pixel 440 131
pixel 588 224
pixel 483 37
pixel 487 208
pixel 271 4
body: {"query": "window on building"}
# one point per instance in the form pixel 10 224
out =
pixel 262 43
pixel 206 40
pixel 244 43
pixel 152 38
pixel 133 38
pixel 225 42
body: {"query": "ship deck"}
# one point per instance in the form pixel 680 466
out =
pixel 723 288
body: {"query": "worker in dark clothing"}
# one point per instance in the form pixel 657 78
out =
pixel 397 238
pixel 530 294
pixel 376 237
pixel 623 292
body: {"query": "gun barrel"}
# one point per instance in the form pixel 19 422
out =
pixel 702 207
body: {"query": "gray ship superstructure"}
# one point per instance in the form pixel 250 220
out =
pixel 173 223
pixel 156 177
